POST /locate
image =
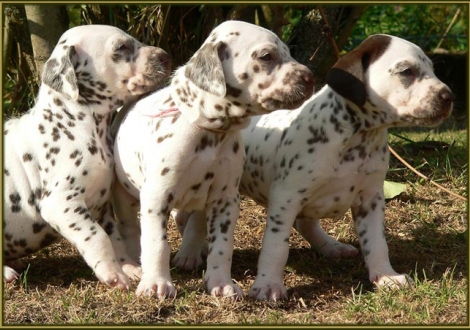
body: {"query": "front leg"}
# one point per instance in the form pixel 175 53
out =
pixel 86 234
pixel 275 250
pixel 155 257
pixel 222 215
pixel 369 217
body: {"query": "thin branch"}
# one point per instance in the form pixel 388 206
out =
pixel 328 32
pixel 447 30
pixel 423 176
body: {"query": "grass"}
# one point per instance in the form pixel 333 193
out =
pixel 426 230
pixel 429 298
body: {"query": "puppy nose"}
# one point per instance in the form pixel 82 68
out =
pixel 307 77
pixel 446 95
pixel 164 58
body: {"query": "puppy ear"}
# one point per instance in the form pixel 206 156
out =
pixel 348 81
pixel 205 69
pixel 346 77
pixel 59 74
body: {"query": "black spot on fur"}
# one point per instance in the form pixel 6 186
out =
pixel 27 157
pixel 236 146
pixel 37 227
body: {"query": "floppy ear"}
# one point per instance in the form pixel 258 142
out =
pixel 205 69
pixel 346 77
pixel 59 74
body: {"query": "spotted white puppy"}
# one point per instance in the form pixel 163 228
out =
pixel 331 155
pixel 58 157
pixel 181 148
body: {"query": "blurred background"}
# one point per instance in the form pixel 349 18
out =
pixel 312 32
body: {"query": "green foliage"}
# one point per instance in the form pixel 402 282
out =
pixel 293 15
pixel 422 24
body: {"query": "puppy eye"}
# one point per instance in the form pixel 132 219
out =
pixel 124 47
pixel 267 57
pixel 406 73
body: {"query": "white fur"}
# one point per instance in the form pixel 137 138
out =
pixel 192 159
pixel 331 155
pixel 58 156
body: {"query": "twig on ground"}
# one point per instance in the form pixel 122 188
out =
pixel 423 176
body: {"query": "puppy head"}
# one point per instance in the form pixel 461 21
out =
pixel 251 67
pixel 396 78
pixel 102 65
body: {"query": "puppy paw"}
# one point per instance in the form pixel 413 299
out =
pixel 162 288
pixel 112 276
pixel 338 250
pixel 392 282
pixel 221 288
pixel 187 263
pixel 263 290
pixel 132 270
pixel 9 274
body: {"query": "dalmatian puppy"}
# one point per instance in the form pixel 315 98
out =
pixel 181 148
pixel 331 155
pixel 59 164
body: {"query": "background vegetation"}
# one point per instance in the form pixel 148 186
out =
pixel 427 229
pixel 443 26
pixel 180 29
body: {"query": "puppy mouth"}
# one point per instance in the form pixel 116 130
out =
pixel 289 101
pixel 424 121
pixel 140 89
pixel 431 118
pixel 436 119
pixel 146 83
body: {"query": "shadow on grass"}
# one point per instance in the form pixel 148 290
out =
pixel 428 253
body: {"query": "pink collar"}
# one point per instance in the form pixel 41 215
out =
pixel 161 113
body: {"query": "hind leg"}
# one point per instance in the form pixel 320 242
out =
pixel 311 230
pixel 194 244
pixel 126 208
pixel 128 265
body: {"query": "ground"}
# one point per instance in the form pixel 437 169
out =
pixel 426 230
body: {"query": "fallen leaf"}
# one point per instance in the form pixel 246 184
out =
pixel 393 189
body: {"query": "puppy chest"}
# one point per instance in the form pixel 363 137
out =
pixel 332 198
pixel 208 180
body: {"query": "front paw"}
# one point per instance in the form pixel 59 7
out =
pixel 162 288
pixel 9 274
pixel 392 282
pixel 224 288
pixel 268 290
pixel 112 275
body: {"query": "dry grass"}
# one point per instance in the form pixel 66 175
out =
pixel 426 231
